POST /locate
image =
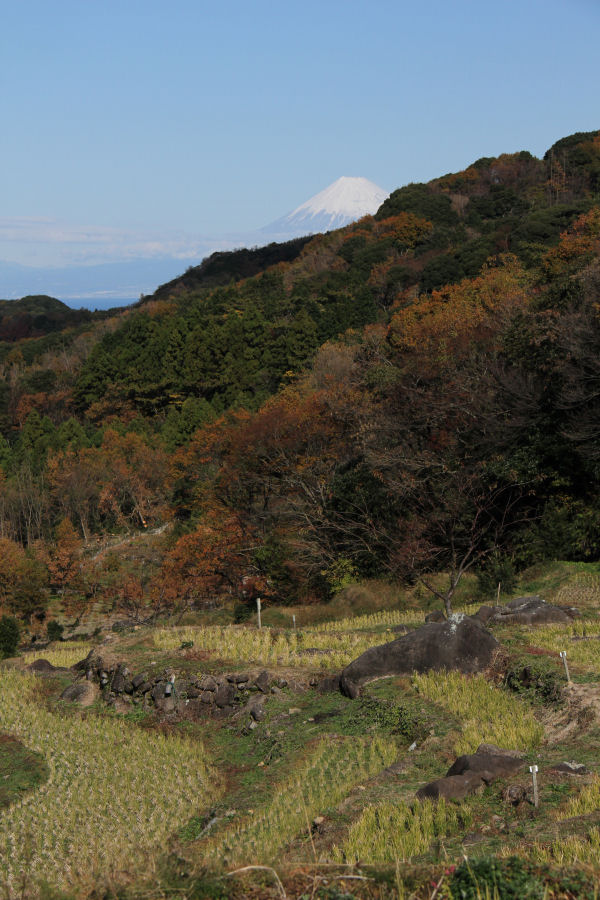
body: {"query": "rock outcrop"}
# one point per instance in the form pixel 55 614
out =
pixel 526 611
pixel 472 772
pixel 459 643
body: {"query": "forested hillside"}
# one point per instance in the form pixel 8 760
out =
pixel 414 392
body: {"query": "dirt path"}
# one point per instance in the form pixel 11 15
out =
pixel 581 710
pixel 129 539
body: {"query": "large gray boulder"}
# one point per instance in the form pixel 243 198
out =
pixel 497 764
pixel 530 611
pixel 459 643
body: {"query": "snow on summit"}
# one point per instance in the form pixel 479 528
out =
pixel 344 201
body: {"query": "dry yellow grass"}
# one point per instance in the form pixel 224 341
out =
pixel 487 714
pixel 568 850
pixel 332 769
pixel 391 832
pixel 60 654
pixel 313 649
pixel 114 793
pixel 583 654
pixel 582 590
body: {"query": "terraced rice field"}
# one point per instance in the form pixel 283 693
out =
pixel 113 793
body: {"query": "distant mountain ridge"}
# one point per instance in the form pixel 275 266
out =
pixel 35 316
pixel 342 202
pixel 109 284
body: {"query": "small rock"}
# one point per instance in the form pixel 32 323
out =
pixel 493 764
pixel 293 711
pixel 118 683
pixel 262 682
pixel 41 667
pixel 515 794
pixel 453 787
pixel 571 768
pixel 193 693
pixel 159 691
pixel 207 683
pixel 484 613
pixel 165 704
pixel 138 680
pixel 82 692
pixel 207 697
pixel 258 713
pixel 224 695
pixel 237 678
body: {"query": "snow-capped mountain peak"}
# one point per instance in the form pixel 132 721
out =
pixel 344 201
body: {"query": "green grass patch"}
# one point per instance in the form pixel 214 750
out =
pixel 21 770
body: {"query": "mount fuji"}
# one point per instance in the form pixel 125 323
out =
pixel 120 280
pixel 344 201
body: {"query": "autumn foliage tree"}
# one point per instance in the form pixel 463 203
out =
pixel 206 562
pixel 64 561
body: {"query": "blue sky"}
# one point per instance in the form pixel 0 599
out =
pixel 129 126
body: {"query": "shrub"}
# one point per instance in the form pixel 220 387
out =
pixel 535 677
pixel 54 630
pixel 488 877
pixel 242 611
pixel 498 570
pixel 9 636
pixel 368 714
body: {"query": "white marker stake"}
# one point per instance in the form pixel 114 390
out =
pixel 536 799
pixel 258 611
pixel 563 656
pixel 294 620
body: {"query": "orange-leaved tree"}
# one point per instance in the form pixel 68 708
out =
pixel 64 560
pixel 441 328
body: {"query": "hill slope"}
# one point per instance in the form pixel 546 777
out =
pixel 409 393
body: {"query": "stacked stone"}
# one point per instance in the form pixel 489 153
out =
pixel 219 694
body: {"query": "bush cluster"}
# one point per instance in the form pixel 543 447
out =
pixel 9 636
pixel 536 677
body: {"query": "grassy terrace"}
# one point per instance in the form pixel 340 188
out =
pixel 324 787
